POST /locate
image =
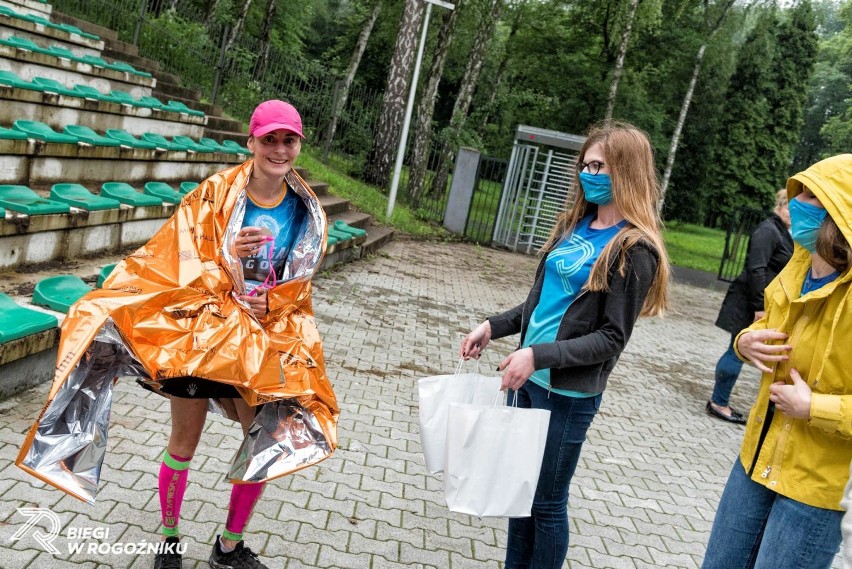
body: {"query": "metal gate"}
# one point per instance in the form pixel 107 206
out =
pixel 490 174
pixel 539 183
pixel 737 238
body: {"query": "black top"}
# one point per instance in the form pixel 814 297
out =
pixel 769 248
pixel 594 329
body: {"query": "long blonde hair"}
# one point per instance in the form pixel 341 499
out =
pixel 636 193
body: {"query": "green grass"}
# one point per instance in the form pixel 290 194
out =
pixel 694 246
pixel 368 199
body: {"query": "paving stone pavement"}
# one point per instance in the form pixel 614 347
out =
pixel 644 493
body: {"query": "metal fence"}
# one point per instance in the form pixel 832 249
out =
pixel 737 238
pixel 482 215
pixel 186 45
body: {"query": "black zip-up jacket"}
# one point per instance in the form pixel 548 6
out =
pixel 594 329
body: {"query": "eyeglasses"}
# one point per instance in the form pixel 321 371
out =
pixel 271 279
pixel 594 167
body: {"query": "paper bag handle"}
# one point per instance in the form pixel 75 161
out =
pixel 461 364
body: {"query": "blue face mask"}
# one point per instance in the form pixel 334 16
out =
pixel 805 220
pixel 596 187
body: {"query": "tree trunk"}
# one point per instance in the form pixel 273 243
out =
pixel 386 137
pixel 426 106
pixel 687 98
pixel 354 62
pixel 211 11
pixel 501 71
pixel 619 62
pixel 238 26
pixel 465 95
pixel 263 60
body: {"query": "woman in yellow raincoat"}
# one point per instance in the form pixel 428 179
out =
pixel 781 505
pixel 216 307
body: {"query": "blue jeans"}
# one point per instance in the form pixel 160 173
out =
pixel 541 540
pixel 727 371
pixel 758 528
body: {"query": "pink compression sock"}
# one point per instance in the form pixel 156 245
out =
pixel 173 474
pixel 243 499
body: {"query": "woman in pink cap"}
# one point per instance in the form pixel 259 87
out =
pixel 267 246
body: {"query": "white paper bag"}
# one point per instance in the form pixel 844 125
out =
pixel 436 393
pixel 493 460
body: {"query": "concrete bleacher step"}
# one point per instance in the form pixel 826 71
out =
pixel 377 237
pixel 333 205
pixel 220 135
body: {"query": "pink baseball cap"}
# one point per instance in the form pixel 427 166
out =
pixel 275 115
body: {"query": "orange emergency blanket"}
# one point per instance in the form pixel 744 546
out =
pixel 171 310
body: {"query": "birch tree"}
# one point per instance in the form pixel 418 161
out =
pixel 713 25
pixel 426 106
pixel 265 33
pixel 386 136
pixel 238 25
pixel 354 62
pixel 465 95
pixel 619 62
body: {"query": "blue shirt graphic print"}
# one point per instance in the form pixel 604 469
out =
pixel 284 222
pixel 566 271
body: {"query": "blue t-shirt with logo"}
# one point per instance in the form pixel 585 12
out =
pixel 285 222
pixel 566 270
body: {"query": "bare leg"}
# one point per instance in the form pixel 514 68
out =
pixel 188 416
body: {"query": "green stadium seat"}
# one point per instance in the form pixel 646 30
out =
pixel 90 93
pixel 2 212
pixel 10 134
pixel 75 30
pixel 341 236
pixel 24 200
pixel 47 85
pixel 178 107
pixel 41 131
pixel 85 134
pixel 63 53
pixel 215 146
pixel 190 144
pixel 94 60
pixel 23 44
pixel 341 225
pixel 331 241
pixel 235 147
pixel 106 271
pixel 8 12
pixel 126 98
pixel 186 187
pixel 78 196
pixel 17 321
pixel 37 20
pixel 152 102
pixel 59 292
pixel 162 142
pixel 10 79
pixel 163 191
pixel 127 139
pixel 125 193
pixel 127 68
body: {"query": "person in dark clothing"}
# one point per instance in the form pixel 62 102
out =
pixel 769 249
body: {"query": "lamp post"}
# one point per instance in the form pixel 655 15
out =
pixel 400 152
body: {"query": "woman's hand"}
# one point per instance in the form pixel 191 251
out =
pixel 518 368
pixel 793 400
pixel 475 342
pixel 753 345
pixel 249 241
pixel 257 303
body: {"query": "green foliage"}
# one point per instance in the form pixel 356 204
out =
pixel 693 246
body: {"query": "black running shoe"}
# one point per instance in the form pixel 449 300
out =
pixel 169 558
pixel 240 558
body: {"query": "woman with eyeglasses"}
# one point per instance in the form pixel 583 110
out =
pixel 604 265
pixel 781 505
